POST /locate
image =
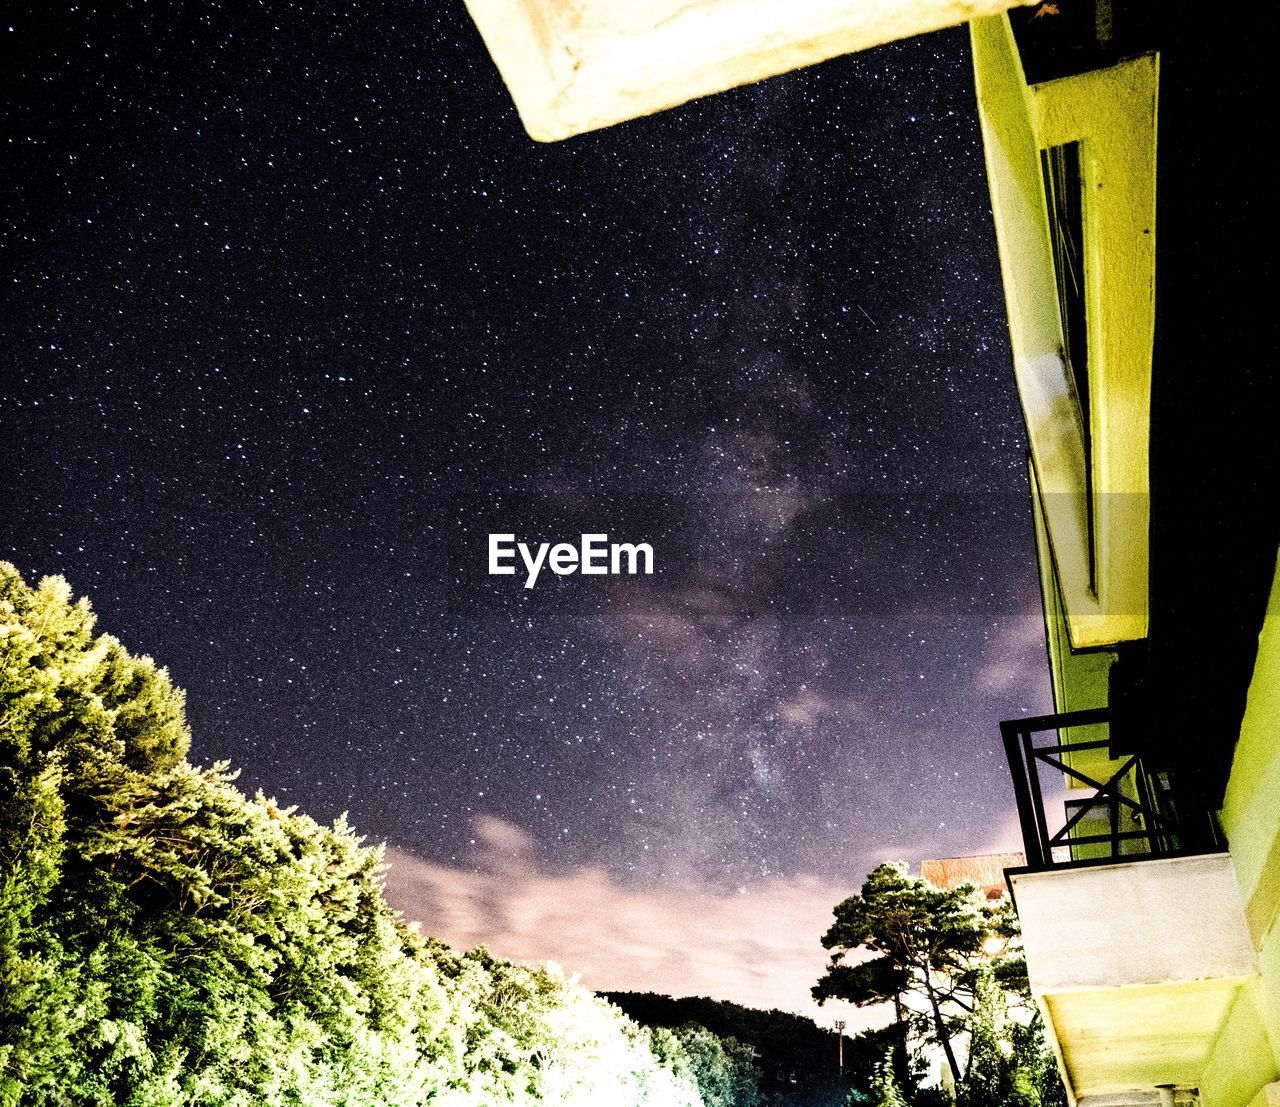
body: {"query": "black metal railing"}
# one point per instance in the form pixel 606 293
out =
pixel 1129 813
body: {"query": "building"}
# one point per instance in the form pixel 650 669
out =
pixel 986 871
pixel 1122 204
pixel 1126 145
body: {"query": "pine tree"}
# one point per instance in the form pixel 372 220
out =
pixel 926 944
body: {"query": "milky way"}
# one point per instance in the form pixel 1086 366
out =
pixel 295 313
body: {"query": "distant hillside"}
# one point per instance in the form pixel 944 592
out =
pixel 796 1056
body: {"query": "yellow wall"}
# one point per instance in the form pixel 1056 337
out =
pixel 1111 114
pixel 1078 679
pixel 1241 1062
pixel 1047 392
pixel 1245 1057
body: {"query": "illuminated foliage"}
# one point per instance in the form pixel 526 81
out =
pixel 885 1091
pixel 165 939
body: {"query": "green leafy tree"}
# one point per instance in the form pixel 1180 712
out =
pixel 988 1068
pixel 1009 1062
pixel 916 946
pixel 166 939
pixel 1034 1079
pixel 724 1069
pixel 795 1057
pixel 885 1090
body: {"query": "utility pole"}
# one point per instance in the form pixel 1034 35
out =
pixel 840 1025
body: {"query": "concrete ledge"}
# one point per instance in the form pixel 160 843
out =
pixel 575 65
pixel 1140 922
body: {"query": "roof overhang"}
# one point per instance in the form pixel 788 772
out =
pixel 577 65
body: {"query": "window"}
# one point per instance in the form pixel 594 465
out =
pixel 1063 189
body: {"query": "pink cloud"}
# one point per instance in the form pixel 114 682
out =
pixel 758 945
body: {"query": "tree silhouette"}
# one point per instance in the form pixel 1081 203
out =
pixel 901 940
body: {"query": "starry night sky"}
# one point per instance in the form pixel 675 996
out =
pixel 294 312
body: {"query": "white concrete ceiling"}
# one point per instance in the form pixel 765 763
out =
pixel 575 65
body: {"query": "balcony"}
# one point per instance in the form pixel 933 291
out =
pixel 1132 918
pixel 1112 804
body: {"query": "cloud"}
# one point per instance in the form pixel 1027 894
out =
pixel 1016 658
pixel 757 945
pixel 808 705
pixel 502 837
pixel 672 625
